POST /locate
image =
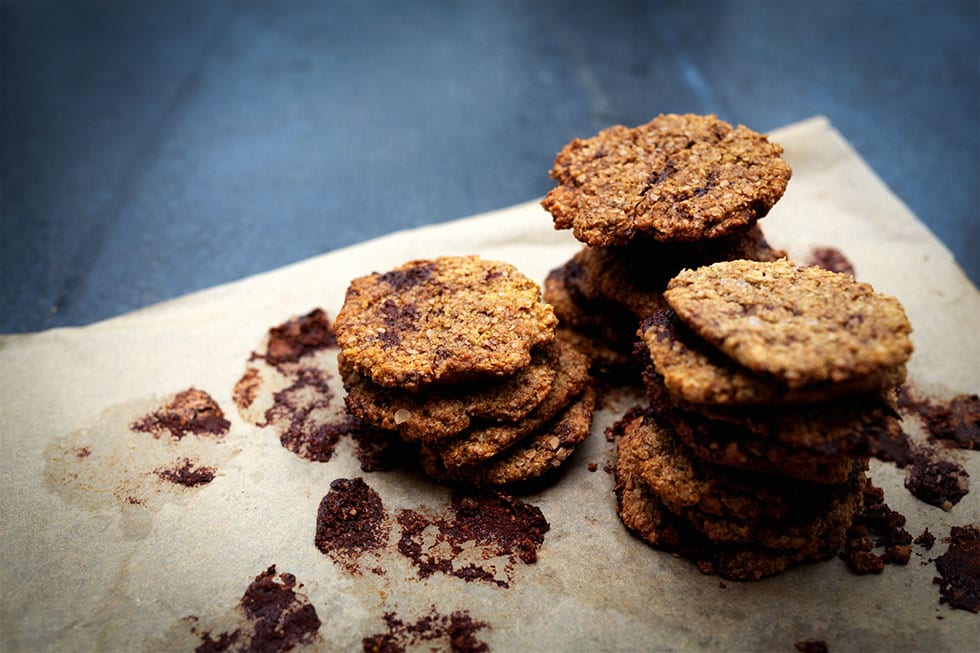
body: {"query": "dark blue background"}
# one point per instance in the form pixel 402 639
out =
pixel 152 149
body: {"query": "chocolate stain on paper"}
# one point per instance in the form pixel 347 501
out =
pixel 142 453
pixel 479 539
pixel 295 393
pixel 272 616
pixel 457 629
pixel 351 523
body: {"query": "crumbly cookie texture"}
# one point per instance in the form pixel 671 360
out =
pixel 800 325
pixel 539 452
pixel 484 441
pixel 644 512
pixel 444 411
pixel 698 373
pixel 676 178
pixel 442 320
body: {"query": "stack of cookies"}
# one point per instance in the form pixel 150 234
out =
pixel 459 356
pixel 680 191
pixel 767 383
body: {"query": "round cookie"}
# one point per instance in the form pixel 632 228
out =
pixel 443 320
pixel 642 512
pixel 443 411
pixel 801 325
pixel 677 178
pixel 697 373
pixel 820 443
pixel 543 450
pixel 483 442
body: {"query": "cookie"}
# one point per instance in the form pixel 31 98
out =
pixel 644 512
pixel 799 325
pixel 678 178
pixel 635 275
pixel 698 373
pixel 540 452
pixel 813 442
pixel 445 410
pixel 483 442
pixel 444 320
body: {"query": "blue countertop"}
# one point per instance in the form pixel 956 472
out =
pixel 153 149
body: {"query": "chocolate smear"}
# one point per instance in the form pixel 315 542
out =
pixel 959 569
pixel 934 480
pixel 350 522
pixel 477 529
pixel 187 474
pixel 276 618
pixel 830 258
pixel 457 629
pixel 955 420
pixel 298 337
pixel 189 412
pixel 811 646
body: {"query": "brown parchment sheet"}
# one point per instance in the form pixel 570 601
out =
pixel 98 553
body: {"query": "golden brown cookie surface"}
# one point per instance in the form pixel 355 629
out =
pixel 483 442
pixel 676 178
pixel 800 325
pixel 697 373
pixel 445 410
pixel 442 320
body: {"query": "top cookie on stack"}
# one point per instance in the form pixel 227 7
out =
pixel 681 191
pixel 459 356
pixel 678 178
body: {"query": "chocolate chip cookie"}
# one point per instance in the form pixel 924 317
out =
pixel 677 178
pixel 444 320
pixel 798 325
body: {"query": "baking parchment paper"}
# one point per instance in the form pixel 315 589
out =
pixel 99 556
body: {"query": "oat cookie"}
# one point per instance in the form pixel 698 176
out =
pixel 644 512
pixel 677 178
pixel 697 373
pixel 635 275
pixel 800 325
pixel 443 320
pixel 445 410
pixel 485 441
pixel 542 451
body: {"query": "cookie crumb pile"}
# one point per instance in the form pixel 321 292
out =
pixel 766 382
pixel 460 357
pixel 680 191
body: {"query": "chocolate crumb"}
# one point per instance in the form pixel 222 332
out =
pixel 498 525
pixel 592 467
pixel 187 474
pixel 276 618
pixel 298 337
pixel 458 628
pixel 812 646
pixel 959 569
pixel 936 481
pixel 875 526
pixel 925 539
pixel 956 420
pixel 190 411
pixel 830 258
pixel 350 522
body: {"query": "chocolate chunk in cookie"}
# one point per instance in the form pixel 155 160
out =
pixel 443 320
pixel 798 325
pixel 676 178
